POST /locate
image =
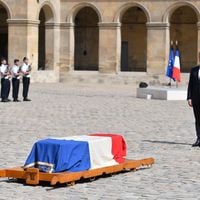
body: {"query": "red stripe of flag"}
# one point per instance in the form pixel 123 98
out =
pixel 177 67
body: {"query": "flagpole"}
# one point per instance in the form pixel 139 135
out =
pixel 170 83
pixel 176 48
pixel 170 79
pixel 172 43
pixel 176 84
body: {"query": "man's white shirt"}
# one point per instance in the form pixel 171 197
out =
pixel 24 69
pixel 14 71
pixel 3 69
pixel 199 74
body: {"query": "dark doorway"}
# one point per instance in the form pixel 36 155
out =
pixel 41 48
pixel 134 32
pixel 124 56
pixel 3 33
pixel 46 39
pixel 184 30
pixel 86 40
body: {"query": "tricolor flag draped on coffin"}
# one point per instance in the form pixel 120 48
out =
pixel 77 153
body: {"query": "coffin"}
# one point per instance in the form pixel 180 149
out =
pixel 77 153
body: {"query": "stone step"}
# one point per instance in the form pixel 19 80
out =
pixel 121 78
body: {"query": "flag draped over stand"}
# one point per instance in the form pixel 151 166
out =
pixel 51 155
pixel 118 146
pixel 177 67
pixel 77 153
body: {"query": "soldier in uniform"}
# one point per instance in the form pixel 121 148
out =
pixel 15 80
pixel 26 70
pixel 5 80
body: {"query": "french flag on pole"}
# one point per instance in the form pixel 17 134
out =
pixel 177 67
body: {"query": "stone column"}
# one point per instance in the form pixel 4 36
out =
pixel 67 47
pixel 158 41
pixel 198 41
pixel 23 40
pixel 56 63
pixel 109 47
pixel 49 46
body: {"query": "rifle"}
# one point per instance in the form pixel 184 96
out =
pixel 18 71
pixel 29 69
pixel 26 71
pixel 7 72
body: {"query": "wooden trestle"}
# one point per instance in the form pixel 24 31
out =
pixel 33 176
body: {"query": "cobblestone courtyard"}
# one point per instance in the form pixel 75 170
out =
pixel 159 129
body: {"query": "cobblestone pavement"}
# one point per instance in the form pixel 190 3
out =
pixel 163 130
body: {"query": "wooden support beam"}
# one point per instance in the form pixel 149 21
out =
pixel 32 176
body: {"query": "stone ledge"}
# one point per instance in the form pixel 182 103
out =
pixel 45 76
pixel 66 25
pixel 106 25
pixel 157 25
pixel 52 25
pixel 109 25
pixel 23 22
pixel 162 93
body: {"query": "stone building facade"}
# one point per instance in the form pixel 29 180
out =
pixel 112 39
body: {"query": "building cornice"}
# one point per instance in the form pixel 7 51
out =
pixel 157 25
pixel 64 25
pixel 23 22
pixel 52 25
pixel 109 25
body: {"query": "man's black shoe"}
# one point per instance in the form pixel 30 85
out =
pixel 16 100
pixel 4 100
pixel 197 143
pixel 26 99
pixel 8 100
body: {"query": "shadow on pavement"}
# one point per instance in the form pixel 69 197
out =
pixel 48 187
pixel 166 142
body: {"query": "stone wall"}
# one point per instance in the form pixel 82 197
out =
pixel 148 35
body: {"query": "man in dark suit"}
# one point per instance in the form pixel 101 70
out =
pixel 193 98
